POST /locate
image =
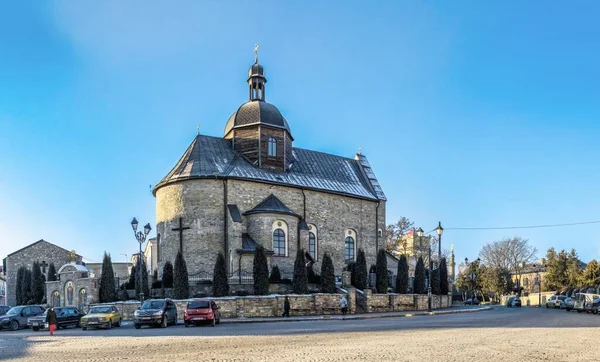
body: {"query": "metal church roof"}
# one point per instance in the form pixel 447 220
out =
pixel 213 157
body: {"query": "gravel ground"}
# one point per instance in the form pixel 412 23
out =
pixel 526 335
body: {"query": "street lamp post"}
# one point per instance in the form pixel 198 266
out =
pixel 141 238
pixel 420 234
pixel 439 230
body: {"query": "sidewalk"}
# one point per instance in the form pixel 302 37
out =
pixel 451 310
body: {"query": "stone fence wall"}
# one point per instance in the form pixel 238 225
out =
pixel 392 302
pixel 256 306
pixel 310 304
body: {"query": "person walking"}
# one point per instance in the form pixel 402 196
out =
pixel 286 307
pixel 51 320
pixel 343 305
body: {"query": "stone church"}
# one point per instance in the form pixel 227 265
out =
pixel 44 252
pixel 253 187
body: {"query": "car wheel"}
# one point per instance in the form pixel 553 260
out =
pixel 164 323
pixel 213 322
pixel 186 324
pixel 14 325
pixel 219 321
pixel 547 306
pixel 119 322
pixel 84 328
pixel 35 329
pixel 109 325
pixel 595 311
pixel 137 326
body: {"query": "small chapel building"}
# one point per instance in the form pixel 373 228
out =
pixel 252 187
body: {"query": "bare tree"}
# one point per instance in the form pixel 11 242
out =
pixel 394 233
pixel 511 254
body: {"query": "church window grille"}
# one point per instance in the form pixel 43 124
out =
pixel 279 242
pixel 312 245
pixel 272 147
pixel 349 248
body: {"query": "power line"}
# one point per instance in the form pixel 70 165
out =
pixel 524 227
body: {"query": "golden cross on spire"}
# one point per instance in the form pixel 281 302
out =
pixel 256 53
pixel 360 150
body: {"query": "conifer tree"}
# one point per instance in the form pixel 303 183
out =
pixel 107 292
pixel 381 272
pixel 26 295
pixel 402 276
pixel 444 287
pixel 327 275
pixel 360 269
pixel 37 283
pixel 419 283
pixel 275 275
pixel 51 273
pixel 181 288
pixel 220 279
pixel 132 276
pixel 142 285
pixel 19 284
pixel 260 272
pixel 167 278
pixel 435 282
pixel 300 281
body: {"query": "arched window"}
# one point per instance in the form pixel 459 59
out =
pixel 312 245
pixel 272 147
pixel 349 249
pixel 279 242
pixel 313 242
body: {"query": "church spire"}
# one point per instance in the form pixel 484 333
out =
pixel 256 79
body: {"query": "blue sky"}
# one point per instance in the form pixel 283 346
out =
pixel 472 113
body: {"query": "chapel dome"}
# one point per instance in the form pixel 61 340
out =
pixel 256 113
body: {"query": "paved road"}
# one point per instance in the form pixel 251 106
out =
pixel 524 334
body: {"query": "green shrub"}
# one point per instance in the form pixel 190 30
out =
pixel 107 292
pixel 360 271
pixel 220 279
pixel 260 272
pixel 402 275
pixel 181 289
pixel 327 275
pixel 419 282
pixel 300 281
pixel 381 283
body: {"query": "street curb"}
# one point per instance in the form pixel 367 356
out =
pixel 353 317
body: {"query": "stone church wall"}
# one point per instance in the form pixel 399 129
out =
pixel 200 203
pixel 40 251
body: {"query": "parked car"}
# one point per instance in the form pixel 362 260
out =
pixel 156 312
pixel 65 317
pixel 3 310
pixel 17 317
pixel 568 304
pixel 202 311
pixel 554 301
pixel 514 301
pixel 101 316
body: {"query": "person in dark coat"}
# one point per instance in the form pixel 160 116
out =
pixel 286 307
pixel 51 320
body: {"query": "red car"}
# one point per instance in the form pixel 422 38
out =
pixel 201 311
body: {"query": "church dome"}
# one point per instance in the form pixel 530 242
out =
pixel 256 113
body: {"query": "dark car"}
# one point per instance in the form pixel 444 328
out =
pixel 3 310
pixel 514 301
pixel 17 317
pixel 471 301
pixel 202 311
pixel 65 317
pixel 156 312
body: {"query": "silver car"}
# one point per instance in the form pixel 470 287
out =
pixel 554 301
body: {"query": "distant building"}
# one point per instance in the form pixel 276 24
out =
pixel 2 287
pixel 120 269
pixel 151 255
